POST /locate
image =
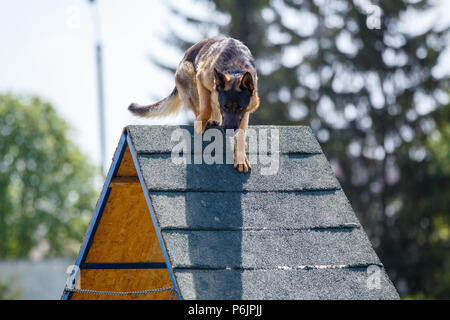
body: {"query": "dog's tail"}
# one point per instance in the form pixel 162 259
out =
pixel 169 105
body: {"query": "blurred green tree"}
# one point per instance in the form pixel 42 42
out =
pixel 7 290
pixel 422 242
pixel 364 75
pixel 46 184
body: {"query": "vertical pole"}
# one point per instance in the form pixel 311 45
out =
pixel 100 90
pixel 101 105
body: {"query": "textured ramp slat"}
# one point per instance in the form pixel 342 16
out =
pixel 331 284
pixel 227 235
pixel 296 172
pixel 268 248
pixel 231 210
pixel 157 139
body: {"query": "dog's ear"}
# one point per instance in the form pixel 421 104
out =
pixel 247 82
pixel 220 79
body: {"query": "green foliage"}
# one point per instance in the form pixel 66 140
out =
pixel 419 296
pixel 7 292
pixel 374 97
pixel 421 234
pixel 46 184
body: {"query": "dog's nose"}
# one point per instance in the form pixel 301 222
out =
pixel 228 126
pixel 232 122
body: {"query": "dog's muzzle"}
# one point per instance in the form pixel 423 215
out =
pixel 231 122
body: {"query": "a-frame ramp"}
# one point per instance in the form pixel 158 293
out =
pixel 121 251
pixel 210 232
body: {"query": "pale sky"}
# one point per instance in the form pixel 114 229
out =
pixel 47 49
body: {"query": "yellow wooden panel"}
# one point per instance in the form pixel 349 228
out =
pixel 127 167
pixel 124 280
pixel 125 232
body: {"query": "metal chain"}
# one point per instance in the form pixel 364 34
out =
pixel 129 293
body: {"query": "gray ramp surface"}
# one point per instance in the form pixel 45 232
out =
pixel 228 235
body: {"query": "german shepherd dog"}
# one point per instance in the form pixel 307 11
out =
pixel 217 80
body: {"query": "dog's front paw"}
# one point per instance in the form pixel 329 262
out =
pixel 199 127
pixel 213 123
pixel 241 162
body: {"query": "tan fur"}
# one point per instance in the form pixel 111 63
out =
pixel 195 84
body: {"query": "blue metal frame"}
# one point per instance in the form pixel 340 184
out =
pixel 80 262
pixel 152 214
pixel 123 265
pixel 99 209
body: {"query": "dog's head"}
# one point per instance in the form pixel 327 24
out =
pixel 234 94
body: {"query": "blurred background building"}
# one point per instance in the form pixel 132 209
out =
pixel 370 78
